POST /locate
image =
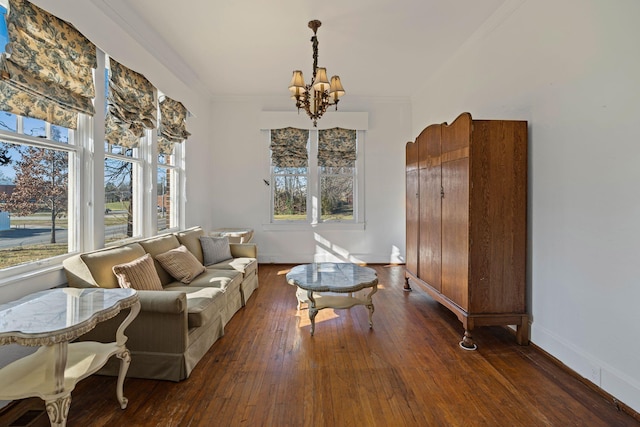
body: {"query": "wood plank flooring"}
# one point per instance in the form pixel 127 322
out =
pixel 407 371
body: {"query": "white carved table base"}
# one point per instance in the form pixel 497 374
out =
pixel 52 372
pixel 341 278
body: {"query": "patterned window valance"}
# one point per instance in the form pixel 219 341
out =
pixel 337 147
pixel 132 106
pixel 289 147
pixel 47 68
pixel 173 125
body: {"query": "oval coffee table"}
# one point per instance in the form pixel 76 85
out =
pixel 342 278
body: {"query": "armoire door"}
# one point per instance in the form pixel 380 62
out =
pixel 430 210
pixel 455 210
pixel 412 208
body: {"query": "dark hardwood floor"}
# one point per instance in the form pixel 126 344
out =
pixel 407 371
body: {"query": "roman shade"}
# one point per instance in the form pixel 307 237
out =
pixel 47 67
pixel 132 106
pixel 337 147
pixel 173 125
pixel 289 147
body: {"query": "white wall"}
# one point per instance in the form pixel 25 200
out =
pixel 572 70
pixel 240 162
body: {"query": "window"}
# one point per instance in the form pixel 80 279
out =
pixel 337 171
pixel 168 184
pixel 121 168
pixel 35 190
pixel 314 176
pixel 48 188
pixel 290 174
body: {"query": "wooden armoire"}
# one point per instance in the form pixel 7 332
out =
pixel 466 229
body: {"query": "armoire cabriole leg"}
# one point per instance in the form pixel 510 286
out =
pixel 467 341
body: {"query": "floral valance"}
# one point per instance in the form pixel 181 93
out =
pixel 337 147
pixel 173 125
pixel 132 106
pixel 47 67
pixel 289 147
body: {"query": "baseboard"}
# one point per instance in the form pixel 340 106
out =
pixel 612 384
pixel 306 258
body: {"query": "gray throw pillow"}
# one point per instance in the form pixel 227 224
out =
pixel 215 249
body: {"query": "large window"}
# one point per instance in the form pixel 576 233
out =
pixel 314 175
pixel 53 176
pixel 35 162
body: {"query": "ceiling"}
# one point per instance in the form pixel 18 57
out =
pixel 250 47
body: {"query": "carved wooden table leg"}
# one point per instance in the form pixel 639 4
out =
pixel 124 355
pixel 312 311
pixel 58 409
pixel 370 306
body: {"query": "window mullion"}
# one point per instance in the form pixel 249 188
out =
pixel 94 195
pixel 313 194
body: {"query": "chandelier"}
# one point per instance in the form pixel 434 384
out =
pixel 316 97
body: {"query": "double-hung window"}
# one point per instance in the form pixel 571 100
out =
pixel 51 169
pixel 314 176
pixel 37 170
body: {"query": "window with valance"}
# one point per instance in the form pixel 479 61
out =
pixel 317 167
pixel 49 83
pixel 290 173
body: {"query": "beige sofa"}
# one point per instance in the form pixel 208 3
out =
pixel 177 325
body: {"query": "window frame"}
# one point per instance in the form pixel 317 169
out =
pixel 86 205
pixel 74 159
pixel 314 211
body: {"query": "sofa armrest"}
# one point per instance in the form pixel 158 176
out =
pixel 160 327
pixel 244 250
pixel 169 302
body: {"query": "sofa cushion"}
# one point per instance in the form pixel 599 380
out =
pixel 222 279
pixel 202 304
pixel 100 262
pixel 243 265
pixel 139 274
pixel 159 245
pixel 215 249
pixel 181 264
pixel 191 239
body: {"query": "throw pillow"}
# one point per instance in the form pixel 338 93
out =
pixel 139 274
pixel 215 249
pixel 181 264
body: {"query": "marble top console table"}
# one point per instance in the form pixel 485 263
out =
pixel 235 235
pixel 340 278
pixel 50 320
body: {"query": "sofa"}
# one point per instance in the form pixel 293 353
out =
pixel 178 322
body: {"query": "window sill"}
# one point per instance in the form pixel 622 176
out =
pixel 305 226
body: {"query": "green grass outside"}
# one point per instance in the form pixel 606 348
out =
pixel 25 254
